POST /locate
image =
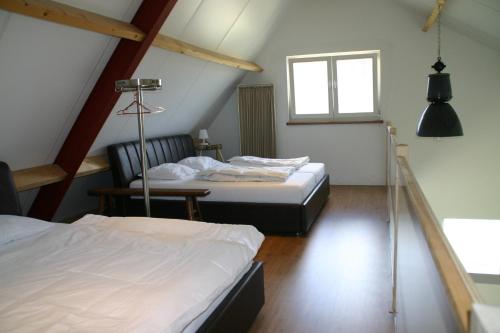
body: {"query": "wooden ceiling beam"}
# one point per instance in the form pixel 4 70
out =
pixel 71 16
pixel 175 45
pixel 60 13
pixel 433 15
pixel 121 65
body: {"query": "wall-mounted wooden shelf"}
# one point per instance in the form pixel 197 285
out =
pixel 28 179
pixel 31 178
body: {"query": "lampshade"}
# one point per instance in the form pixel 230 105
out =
pixel 203 134
pixel 439 87
pixel 439 120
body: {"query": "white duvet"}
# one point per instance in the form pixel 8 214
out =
pixel 119 274
pixel 270 162
pixel 231 173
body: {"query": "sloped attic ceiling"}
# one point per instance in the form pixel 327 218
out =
pixel 48 70
pixel 478 19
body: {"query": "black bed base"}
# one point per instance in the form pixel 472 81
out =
pixel 239 308
pixel 267 217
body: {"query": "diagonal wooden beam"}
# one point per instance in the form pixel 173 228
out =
pixel 433 15
pixel 122 65
pixel 53 11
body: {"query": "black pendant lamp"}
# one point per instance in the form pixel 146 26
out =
pixel 439 119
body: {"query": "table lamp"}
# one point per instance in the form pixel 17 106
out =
pixel 203 136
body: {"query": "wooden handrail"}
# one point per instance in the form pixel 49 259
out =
pixel 456 281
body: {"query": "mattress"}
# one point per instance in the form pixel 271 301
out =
pixel 293 191
pixel 120 274
pixel 317 169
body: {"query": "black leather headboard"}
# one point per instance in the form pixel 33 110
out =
pixel 125 161
pixel 9 201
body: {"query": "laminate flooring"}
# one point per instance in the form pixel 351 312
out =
pixel 337 277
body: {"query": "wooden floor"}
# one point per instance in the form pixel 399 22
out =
pixel 335 279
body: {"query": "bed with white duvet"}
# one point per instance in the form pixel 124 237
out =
pixel 115 274
pixel 292 189
pixel 288 205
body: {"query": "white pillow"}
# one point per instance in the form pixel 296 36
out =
pixel 201 163
pixel 171 171
pixel 14 227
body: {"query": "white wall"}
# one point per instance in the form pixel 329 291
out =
pixel 489 292
pixel 225 128
pixel 459 175
pixel 353 153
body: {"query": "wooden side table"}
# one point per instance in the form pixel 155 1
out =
pixel 211 147
pixel 192 207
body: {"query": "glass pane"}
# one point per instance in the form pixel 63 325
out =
pixel 310 81
pixel 355 85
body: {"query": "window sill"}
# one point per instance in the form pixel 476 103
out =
pixel 334 122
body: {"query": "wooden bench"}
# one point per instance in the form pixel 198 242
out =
pixel 192 207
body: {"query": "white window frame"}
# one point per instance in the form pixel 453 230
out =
pixel 334 114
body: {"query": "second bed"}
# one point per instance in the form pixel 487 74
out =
pixel 272 207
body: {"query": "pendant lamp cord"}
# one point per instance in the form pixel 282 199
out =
pixel 439 33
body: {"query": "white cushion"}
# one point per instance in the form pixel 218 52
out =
pixel 201 163
pixel 170 171
pixel 14 227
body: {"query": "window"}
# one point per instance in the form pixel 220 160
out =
pixel 337 86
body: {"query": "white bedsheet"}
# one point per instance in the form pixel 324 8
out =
pixel 119 274
pixel 294 190
pixel 318 169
